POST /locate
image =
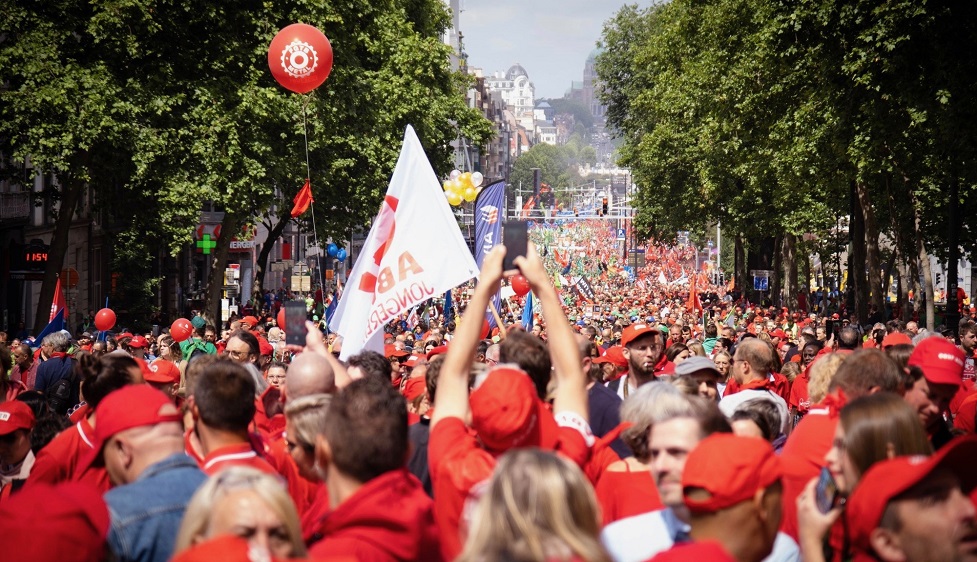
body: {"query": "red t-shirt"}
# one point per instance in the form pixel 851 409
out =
pixel 625 494
pixel 242 454
pixel 705 551
pixel 60 460
pixel 389 519
pixel 803 458
pixel 965 414
pixel 457 463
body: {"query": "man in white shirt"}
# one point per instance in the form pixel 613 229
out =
pixel 751 365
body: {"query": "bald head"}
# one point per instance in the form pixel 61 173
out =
pixel 309 374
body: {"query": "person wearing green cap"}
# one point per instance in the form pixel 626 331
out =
pixel 196 341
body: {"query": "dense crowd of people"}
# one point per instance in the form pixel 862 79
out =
pixel 659 420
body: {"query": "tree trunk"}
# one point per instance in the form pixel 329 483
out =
pixel 790 272
pixel 872 255
pixel 928 279
pixel 71 190
pixel 777 283
pixel 739 265
pixel 261 261
pixel 212 297
pixel 856 265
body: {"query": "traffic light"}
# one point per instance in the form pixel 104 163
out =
pixel 604 206
pixel 575 212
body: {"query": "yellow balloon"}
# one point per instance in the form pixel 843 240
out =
pixel 457 187
pixel 453 198
pixel 447 185
pixel 470 194
pixel 465 178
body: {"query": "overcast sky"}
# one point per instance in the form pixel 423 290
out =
pixel 551 39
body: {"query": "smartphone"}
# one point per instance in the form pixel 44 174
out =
pixel 155 330
pixel 826 491
pixel 295 317
pixel 829 328
pixel 515 236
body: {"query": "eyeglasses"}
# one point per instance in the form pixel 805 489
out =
pixel 238 354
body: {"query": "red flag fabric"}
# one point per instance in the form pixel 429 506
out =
pixel 693 303
pixel 302 200
pixel 58 303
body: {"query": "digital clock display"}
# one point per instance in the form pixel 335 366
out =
pixel 35 257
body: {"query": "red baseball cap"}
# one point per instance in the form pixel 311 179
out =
pixel 506 413
pixel 412 361
pixel 437 351
pixel 251 321
pixel 940 360
pixel 885 480
pixel 731 469
pixel 162 371
pixel 778 333
pixel 895 338
pixel 634 331
pixel 138 341
pixel 75 510
pixel 415 387
pixel 613 355
pixel 15 415
pixel 135 405
pixel 390 350
pixel 265 348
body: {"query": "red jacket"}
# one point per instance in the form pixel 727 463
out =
pixel 389 519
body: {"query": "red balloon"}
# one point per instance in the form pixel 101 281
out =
pixel 520 285
pixel 300 58
pixel 105 319
pixel 281 318
pixel 485 329
pixel 181 329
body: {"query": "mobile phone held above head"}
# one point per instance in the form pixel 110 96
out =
pixel 515 237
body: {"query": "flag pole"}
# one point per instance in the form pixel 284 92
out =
pixel 308 175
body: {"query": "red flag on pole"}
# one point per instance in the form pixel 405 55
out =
pixel 302 200
pixel 693 303
pixel 58 303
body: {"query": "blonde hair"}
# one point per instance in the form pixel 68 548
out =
pixel 653 402
pixel 822 371
pixel 538 507
pixel 197 519
pixel 696 349
pixel 308 417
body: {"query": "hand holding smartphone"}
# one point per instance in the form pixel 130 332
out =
pixel 826 492
pixel 515 237
pixel 295 316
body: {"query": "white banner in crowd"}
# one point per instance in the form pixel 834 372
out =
pixel 414 252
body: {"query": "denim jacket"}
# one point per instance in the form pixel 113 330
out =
pixel 146 513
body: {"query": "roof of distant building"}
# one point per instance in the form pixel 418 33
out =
pixel 515 71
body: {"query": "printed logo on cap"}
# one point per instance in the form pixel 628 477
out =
pixel 949 357
pixel 4 416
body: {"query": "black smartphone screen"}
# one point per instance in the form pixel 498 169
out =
pixel 516 239
pixel 829 328
pixel 826 491
pixel 295 316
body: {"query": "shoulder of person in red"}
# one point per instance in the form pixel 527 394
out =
pixel 389 518
pixel 61 459
pixel 705 551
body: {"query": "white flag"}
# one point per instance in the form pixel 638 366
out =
pixel 414 252
pixel 661 278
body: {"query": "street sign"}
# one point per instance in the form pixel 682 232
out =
pixel 765 273
pixel 620 234
pixel 301 283
pixel 761 283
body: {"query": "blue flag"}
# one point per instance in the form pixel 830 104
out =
pixel 53 326
pixel 527 312
pixel 448 312
pixel 489 211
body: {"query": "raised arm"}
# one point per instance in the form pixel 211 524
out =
pixel 452 397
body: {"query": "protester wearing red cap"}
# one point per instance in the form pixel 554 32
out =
pixel 643 348
pixel 137 346
pixel 45 523
pixel 732 492
pixel 916 509
pixel 936 366
pixel 139 440
pixel 164 376
pixel 16 458
pixel 613 363
pixel 505 410
pixel 395 356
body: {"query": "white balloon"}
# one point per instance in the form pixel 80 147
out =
pixel 477 178
pixel 454 174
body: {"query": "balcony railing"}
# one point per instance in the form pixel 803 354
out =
pixel 14 206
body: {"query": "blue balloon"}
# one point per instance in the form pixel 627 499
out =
pixel 332 250
pixel 341 254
